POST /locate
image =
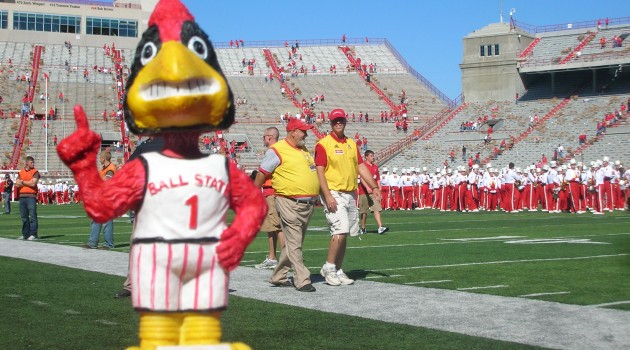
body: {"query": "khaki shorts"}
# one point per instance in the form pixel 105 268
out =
pixel 368 204
pixel 346 219
pixel 272 220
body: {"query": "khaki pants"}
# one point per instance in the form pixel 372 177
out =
pixel 294 218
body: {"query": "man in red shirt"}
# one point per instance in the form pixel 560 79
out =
pixel 366 198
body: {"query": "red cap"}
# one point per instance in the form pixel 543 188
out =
pixel 295 124
pixel 336 113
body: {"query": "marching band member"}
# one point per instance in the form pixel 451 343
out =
pixel 385 189
pixel 609 175
pixel 406 181
pixel 572 176
pixel 470 191
pixel 600 184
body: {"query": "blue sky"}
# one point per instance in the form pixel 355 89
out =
pixel 428 34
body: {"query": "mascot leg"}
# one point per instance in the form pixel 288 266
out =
pixel 201 329
pixel 204 329
pixel 158 330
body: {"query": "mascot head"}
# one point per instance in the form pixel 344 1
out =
pixel 176 83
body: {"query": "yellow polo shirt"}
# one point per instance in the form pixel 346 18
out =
pixel 342 162
pixel 296 175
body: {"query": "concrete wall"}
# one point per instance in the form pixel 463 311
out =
pixel 82 11
pixel 493 77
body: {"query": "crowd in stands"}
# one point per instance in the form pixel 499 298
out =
pixel 468 125
pixel 616 41
pixel 472 125
pixel 217 144
pixel 237 43
pixel 250 64
pixel 68 45
pixel 240 101
pixel 611 119
pixel 362 142
pixel 533 121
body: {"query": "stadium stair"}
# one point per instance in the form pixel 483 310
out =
pixel 276 71
pixel 24 120
pixel 529 49
pixel 578 48
pixel 363 74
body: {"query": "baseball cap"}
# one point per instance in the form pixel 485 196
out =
pixel 336 113
pixel 295 124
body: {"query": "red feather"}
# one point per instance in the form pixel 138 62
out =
pixel 168 16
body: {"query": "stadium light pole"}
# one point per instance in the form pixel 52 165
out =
pixel 46 118
pixel 63 116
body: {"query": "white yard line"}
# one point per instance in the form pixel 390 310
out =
pixel 611 304
pixel 383 276
pixel 484 287
pixel 428 282
pixel 501 262
pixel 541 294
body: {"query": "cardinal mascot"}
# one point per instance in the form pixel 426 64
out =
pixel 182 248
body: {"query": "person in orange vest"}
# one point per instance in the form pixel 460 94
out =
pixel 108 169
pixel 26 184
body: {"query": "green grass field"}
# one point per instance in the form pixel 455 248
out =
pixel 582 260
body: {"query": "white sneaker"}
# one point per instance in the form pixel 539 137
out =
pixel 382 230
pixel 32 238
pixel 344 278
pixel 267 264
pixel 330 276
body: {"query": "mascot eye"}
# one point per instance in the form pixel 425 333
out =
pixel 148 52
pixel 198 46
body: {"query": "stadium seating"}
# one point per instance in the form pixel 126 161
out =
pixel 342 89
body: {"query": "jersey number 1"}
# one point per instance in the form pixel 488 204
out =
pixel 194 208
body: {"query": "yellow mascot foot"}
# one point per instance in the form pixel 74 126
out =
pixel 233 346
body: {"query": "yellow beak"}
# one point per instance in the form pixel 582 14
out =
pixel 177 89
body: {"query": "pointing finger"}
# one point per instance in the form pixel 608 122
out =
pixel 80 117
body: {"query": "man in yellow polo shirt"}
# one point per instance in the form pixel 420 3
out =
pixel 339 163
pixel 294 179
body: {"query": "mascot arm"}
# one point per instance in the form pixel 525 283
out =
pixel 106 200
pixel 250 208
pixel 103 200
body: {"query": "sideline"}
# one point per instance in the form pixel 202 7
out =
pixel 533 322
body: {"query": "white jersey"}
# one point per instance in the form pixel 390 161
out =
pixel 180 220
pixel 406 180
pixel 572 175
pixel 472 178
pixel 385 179
pixel 599 176
pixel 394 180
pixel 183 199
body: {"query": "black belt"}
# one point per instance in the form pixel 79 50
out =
pixel 607 178
pixel 303 201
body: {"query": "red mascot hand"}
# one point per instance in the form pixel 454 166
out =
pixel 78 151
pixel 231 249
